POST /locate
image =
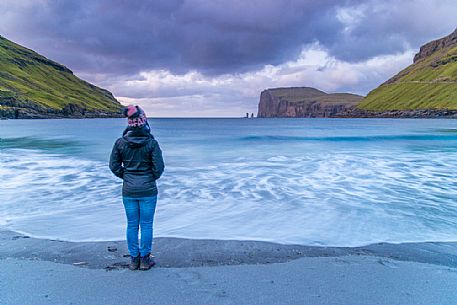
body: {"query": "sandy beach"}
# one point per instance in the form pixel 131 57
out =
pixel 40 271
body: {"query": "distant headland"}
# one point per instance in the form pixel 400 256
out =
pixel 425 89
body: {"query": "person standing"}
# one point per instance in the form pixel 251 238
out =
pixel 136 158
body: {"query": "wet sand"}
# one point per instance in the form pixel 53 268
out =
pixel 41 271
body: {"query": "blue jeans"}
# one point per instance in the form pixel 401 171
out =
pixel 140 213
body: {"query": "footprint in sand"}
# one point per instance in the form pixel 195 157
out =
pixel 387 263
pixel 190 277
pixel 213 294
pixel 340 262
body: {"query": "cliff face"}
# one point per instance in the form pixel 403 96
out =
pixel 436 45
pixel 32 86
pixel 304 102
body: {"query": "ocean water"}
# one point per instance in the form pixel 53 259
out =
pixel 335 182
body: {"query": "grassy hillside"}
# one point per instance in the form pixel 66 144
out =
pixel 295 94
pixel 309 94
pixel 29 80
pixel 429 83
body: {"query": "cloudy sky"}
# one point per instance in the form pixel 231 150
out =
pixel 214 57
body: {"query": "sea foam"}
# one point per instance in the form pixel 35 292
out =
pixel 390 187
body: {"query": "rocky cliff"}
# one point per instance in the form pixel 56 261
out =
pixel 304 102
pixel 32 86
pixel 436 45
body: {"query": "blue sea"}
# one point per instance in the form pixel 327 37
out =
pixel 333 182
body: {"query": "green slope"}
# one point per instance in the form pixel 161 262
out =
pixel 295 94
pixel 309 94
pixel 429 83
pixel 29 80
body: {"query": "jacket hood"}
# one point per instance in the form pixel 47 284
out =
pixel 137 137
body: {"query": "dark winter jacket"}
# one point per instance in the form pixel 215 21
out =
pixel 137 159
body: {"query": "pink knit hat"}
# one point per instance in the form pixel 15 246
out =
pixel 136 116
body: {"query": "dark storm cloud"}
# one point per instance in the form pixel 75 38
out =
pixel 126 36
pixel 214 37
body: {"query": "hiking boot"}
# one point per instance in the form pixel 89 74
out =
pixel 147 262
pixel 134 262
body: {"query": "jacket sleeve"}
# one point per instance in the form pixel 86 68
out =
pixel 158 165
pixel 115 162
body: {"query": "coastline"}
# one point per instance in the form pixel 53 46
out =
pixel 172 252
pixel 350 113
pixel 38 271
pixel 40 116
pixel 356 113
pixel 21 110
